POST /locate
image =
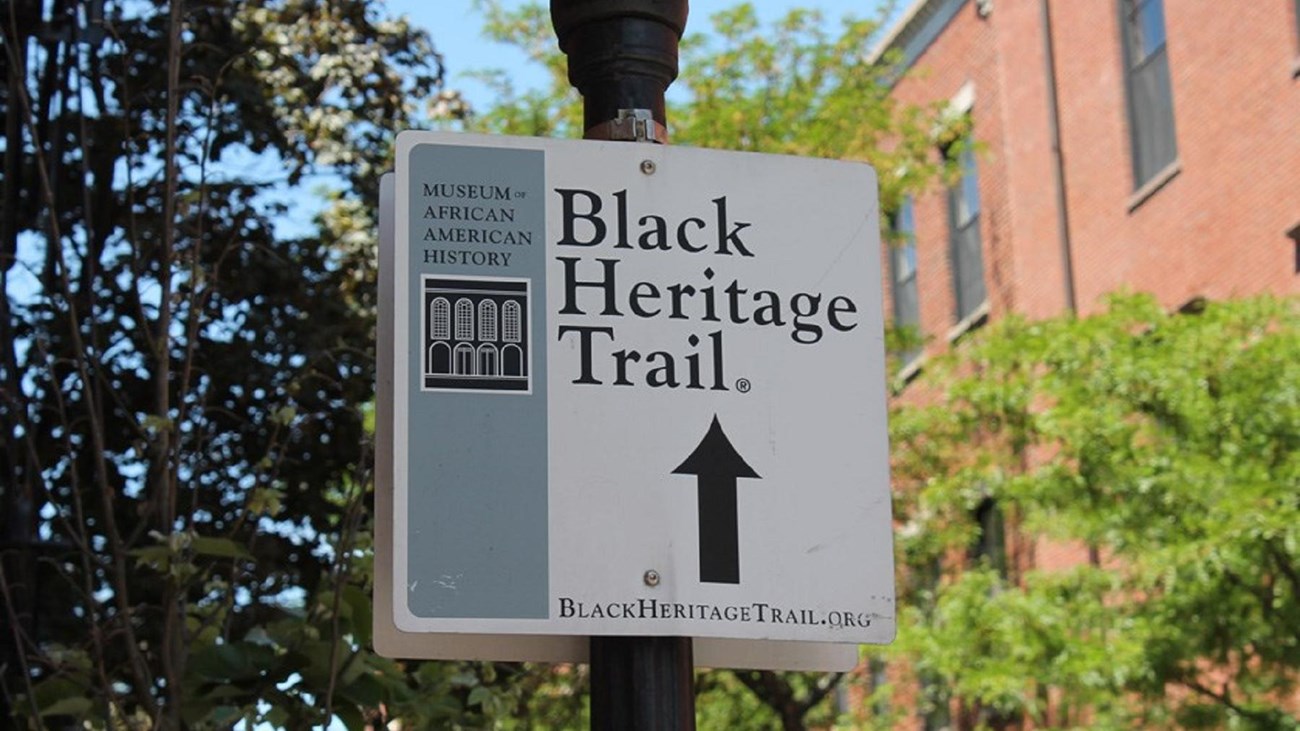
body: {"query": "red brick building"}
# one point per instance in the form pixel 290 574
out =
pixel 1119 144
pixel 1141 145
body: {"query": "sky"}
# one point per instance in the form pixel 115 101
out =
pixel 456 28
pixel 457 32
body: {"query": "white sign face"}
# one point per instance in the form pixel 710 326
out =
pixel 392 642
pixel 640 390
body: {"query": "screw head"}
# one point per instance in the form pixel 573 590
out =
pixel 648 167
pixel 651 578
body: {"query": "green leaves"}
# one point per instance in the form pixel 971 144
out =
pixel 1167 443
pixel 186 357
pixel 75 706
pixel 219 547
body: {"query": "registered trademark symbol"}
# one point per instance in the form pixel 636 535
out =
pixel 743 385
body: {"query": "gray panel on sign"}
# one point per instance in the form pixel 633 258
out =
pixel 477 457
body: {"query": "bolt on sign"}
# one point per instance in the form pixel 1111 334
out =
pixel 638 390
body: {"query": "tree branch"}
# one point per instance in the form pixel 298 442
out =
pixel 117 550
pixel 163 471
pixel 1224 698
pixel 20 641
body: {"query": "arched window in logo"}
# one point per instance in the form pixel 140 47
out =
pixel 439 358
pixel 476 335
pixel 464 359
pixel 440 319
pixel 487 360
pixel 512 360
pixel 487 320
pixel 464 319
pixel 510 322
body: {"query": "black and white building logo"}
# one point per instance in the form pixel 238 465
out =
pixel 475 334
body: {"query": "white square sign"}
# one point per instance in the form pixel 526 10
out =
pixel 639 390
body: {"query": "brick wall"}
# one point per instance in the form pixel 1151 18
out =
pixel 964 54
pixel 1217 228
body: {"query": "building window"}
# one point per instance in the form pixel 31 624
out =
pixel 1150 94
pixel 989 546
pixel 879 674
pixel 933 707
pixel 966 247
pixel 988 549
pixel 902 268
pixel 932 703
pixel 1294 234
pixel 1297 33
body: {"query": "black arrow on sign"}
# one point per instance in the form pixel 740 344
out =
pixel 717 464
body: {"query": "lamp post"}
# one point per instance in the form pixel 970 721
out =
pixel 622 56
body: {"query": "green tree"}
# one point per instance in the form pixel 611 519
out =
pixel 1165 445
pixel 184 452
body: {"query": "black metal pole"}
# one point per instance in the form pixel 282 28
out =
pixel 642 684
pixel 622 57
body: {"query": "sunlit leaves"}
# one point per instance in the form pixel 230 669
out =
pixel 1167 445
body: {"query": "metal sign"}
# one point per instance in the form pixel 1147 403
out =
pixel 638 390
pixel 393 642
